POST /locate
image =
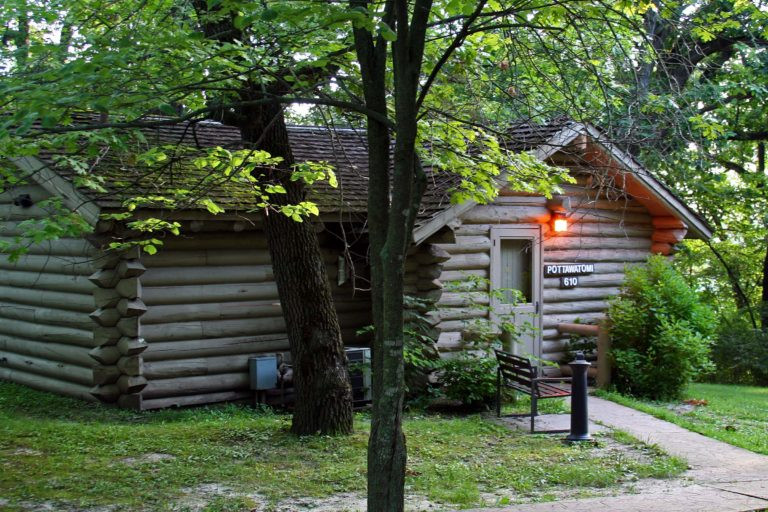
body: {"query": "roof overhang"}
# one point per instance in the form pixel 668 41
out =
pixel 41 174
pixel 638 180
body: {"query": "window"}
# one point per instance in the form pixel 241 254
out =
pixel 516 268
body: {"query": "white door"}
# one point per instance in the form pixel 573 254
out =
pixel 516 265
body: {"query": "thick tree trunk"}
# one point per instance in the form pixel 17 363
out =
pixel 321 380
pixel 764 296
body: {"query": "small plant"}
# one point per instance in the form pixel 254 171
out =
pixel 661 333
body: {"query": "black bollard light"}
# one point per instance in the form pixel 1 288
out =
pixel 579 413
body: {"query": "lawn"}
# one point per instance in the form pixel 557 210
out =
pixel 72 454
pixel 735 414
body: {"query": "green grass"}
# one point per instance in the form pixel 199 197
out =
pixel 735 414
pixel 82 455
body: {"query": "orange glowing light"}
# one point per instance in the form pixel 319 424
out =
pixel 561 225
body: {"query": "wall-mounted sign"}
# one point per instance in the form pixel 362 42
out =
pixel 569 269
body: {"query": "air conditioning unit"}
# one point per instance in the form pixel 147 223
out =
pixel 360 373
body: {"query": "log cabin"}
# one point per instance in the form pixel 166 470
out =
pixel 177 328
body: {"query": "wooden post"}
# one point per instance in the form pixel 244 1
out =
pixel 603 356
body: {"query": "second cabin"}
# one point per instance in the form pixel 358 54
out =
pixel 178 327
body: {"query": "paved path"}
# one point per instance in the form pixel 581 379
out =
pixel 725 478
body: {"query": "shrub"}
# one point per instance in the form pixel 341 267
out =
pixel 661 333
pixel 740 354
pixel 469 378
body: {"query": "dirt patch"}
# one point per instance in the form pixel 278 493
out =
pixel 28 452
pixel 147 458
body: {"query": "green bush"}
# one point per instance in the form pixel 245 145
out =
pixel 661 334
pixel 740 354
pixel 469 378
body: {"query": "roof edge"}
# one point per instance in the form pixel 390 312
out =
pixel 53 183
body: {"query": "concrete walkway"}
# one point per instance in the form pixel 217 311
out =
pixel 724 478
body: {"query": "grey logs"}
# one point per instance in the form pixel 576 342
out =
pixel 118 345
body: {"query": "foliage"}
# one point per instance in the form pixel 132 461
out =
pixel 735 414
pixel 661 334
pixel 469 378
pixel 76 455
pixel 740 354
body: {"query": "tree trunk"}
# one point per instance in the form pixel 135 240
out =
pixel 321 380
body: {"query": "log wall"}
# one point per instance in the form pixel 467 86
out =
pixel 610 232
pixel 211 303
pixel 45 299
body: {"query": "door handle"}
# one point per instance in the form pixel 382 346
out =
pixel 536 307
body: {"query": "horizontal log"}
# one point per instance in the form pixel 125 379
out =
pixel 582 329
pixel 661 248
pixel 604 229
pixel 40 315
pixel 585 242
pixel 195 294
pixel 200 366
pixel 130 365
pixel 68 266
pixel 550 334
pixel 10 212
pixel 430 254
pixel 553 295
pixel 552 321
pixel 514 197
pixel 56 352
pixel 196 385
pixel 184 401
pixel 465 244
pixel 54 334
pixel 485 229
pixel 444 314
pixel 60 247
pixel 668 223
pixel 592 280
pixel 670 236
pixel 210 311
pixel 35 192
pixel 54 369
pixel 553 346
pixel 457 325
pixel 429 271
pixel 106 335
pixel 212 257
pixel 554 356
pixel 448 341
pixel 448 276
pixel 204 275
pixel 247 241
pixel 43 281
pixel 107 355
pixel 468 262
pixel 502 214
pixel 103 374
pixel 108 393
pixel 49 384
pixel 597 255
pixel 104 278
pixel 449 299
pixel 581 215
pixel 127 269
pixel 106 317
pixel 196 330
pixel 129 384
pixel 577 306
pixel 622 204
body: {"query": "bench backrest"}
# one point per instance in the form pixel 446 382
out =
pixel 516 371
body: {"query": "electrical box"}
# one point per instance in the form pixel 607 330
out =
pixel 360 373
pixel 263 370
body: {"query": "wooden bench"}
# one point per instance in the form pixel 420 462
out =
pixel 521 375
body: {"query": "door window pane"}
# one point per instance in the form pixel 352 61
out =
pixel 516 268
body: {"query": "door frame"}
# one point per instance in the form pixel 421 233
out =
pixel 499 233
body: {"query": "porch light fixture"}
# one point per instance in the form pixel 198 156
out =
pixel 559 223
pixel 559 206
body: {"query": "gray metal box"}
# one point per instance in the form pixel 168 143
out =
pixel 263 370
